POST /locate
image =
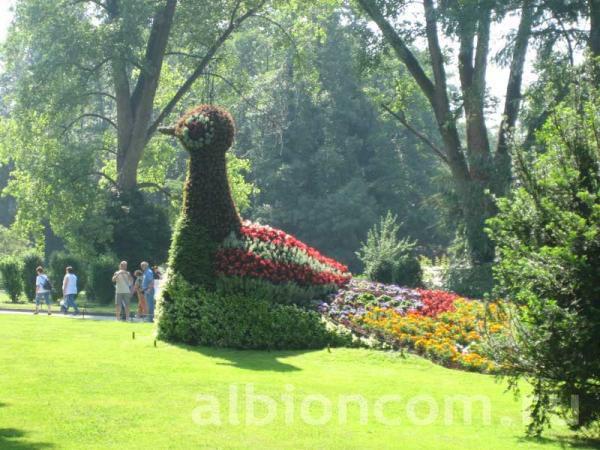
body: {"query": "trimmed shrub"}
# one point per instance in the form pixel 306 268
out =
pixel 284 293
pixel 388 259
pixel 59 261
pixel 10 268
pixel 199 317
pixel 192 253
pixel 31 261
pixel 100 287
pixel 208 214
pixel 230 282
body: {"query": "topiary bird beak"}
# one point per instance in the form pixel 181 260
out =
pixel 169 131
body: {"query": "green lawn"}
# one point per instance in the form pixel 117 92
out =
pixel 89 385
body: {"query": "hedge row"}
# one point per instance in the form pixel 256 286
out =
pixel 196 316
pixel 18 275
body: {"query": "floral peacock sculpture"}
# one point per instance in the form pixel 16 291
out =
pixel 221 267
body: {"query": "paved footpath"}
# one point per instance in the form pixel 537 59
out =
pixel 86 316
pixel 59 314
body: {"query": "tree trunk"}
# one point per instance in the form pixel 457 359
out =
pixel 472 70
pixel 512 101
pixel 134 110
pixel 595 28
pixel 477 207
pixel 594 40
pixel 471 179
pixel 135 124
pixel 474 169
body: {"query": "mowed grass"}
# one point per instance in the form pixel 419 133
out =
pixel 67 383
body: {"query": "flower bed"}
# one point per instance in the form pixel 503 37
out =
pixel 436 324
pixel 245 263
pixel 265 252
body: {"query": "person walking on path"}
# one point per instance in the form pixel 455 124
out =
pixel 142 305
pixel 70 290
pixel 148 288
pixel 43 290
pixel 123 285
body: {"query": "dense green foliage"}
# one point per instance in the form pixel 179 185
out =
pixel 100 271
pixel 241 313
pixel 327 160
pixel 65 138
pixel 387 258
pixel 467 279
pixel 31 261
pixel 12 243
pixel 282 293
pixel 140 230
pixel 226 319
pixel 318 143
pixel 10 269
pixel 208 213
pixel 57 264
pixel 548 237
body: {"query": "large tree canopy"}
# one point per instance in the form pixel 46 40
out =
pixel 327 160
pixel 117 66
pixel 86 84
pixel 480 163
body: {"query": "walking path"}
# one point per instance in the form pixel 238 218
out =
pixel 103 317
pixel 85 316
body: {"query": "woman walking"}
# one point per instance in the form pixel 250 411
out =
pixel 43 290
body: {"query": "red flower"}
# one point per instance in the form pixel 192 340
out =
pixel 278 237
pixel 238 262
pixel 436 302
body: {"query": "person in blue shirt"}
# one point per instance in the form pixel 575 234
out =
pixel 148 288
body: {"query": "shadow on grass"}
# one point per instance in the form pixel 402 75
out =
pixel 11 439
pixel 563 441
pixel 249 359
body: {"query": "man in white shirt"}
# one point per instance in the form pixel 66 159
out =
pixel 70 290
pixel 42 290
pixel 123 284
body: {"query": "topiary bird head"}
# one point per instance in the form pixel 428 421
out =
pixel 204 129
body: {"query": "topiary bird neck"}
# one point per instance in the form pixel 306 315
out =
pixel 207 198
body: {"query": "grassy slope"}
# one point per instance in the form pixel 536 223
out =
pixel 75 384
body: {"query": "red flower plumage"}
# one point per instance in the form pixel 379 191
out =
pixel 281 238
pixel 250 264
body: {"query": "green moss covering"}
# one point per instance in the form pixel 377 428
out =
pixel 195 308
pixel 208 214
